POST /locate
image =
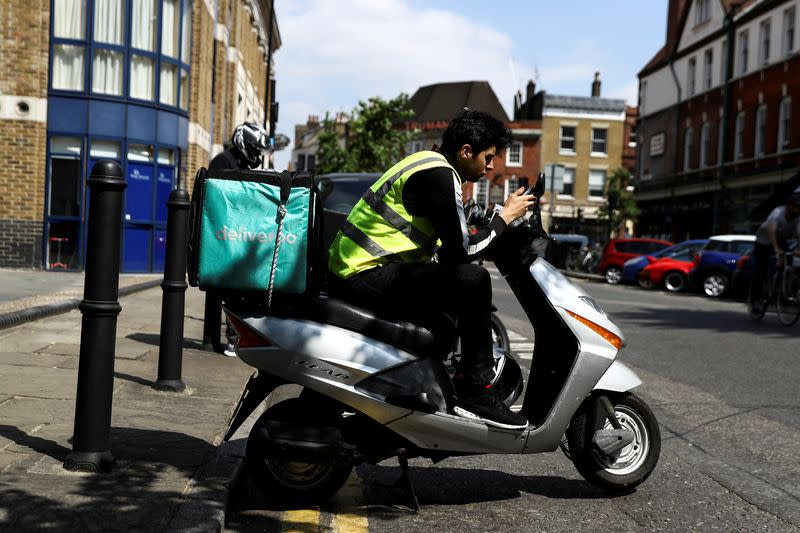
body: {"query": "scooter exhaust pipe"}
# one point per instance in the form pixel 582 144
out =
pixel 302 443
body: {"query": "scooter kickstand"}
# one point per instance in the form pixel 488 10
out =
pixel 404 481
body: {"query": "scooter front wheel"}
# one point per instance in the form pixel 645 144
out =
pixel 288 479
pixel 628 467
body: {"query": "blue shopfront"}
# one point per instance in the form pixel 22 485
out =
pixel 119 84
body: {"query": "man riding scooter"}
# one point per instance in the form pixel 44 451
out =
pixel 380 259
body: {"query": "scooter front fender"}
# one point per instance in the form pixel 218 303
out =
pixel 618 378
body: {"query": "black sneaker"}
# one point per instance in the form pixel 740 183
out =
pixel 489 410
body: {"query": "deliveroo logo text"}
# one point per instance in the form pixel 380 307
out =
pixel 244 235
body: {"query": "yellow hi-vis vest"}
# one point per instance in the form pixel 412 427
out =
pixel 379 230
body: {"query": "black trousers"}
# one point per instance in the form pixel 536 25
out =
pixel 422 293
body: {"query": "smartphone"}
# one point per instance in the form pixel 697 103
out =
pixel 528 191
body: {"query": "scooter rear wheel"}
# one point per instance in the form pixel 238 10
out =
pixel 631 465
pixel 288 480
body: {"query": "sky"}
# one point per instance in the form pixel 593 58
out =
pixel 337 52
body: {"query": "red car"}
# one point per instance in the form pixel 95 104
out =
pixel 673 273
pixel 617 251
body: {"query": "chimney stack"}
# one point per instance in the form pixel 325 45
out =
pixel 530 92
pixel 596 85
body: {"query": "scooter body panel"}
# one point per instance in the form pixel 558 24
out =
pixel 618 378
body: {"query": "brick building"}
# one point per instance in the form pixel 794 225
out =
pixel 586 135
pixel 718 125
pixel 156 85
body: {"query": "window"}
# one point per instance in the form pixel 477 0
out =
pixel 743 51
pixel 143 37
pixel 169 84
pixel 568 182
pixel 599 141
pixel 107 72
pixel 170 30
pixel 690 77
pixel 514 154
pixel 184 89
pixel 764 31
pixel 788 31
pixel 567 139
pixel 109 22
pixel 416 146
pixel 761 119
pixel 186 33
pixel 784 123
pixel 597 180
pixel 738 141
pixel 311 162
pixel 702 11
pixel 687 149
pixel 705 132
pixel 69 19
pixel 65 177
pixel 708 66
pixel 481 195
pixel 301 162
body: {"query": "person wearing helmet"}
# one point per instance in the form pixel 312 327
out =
pixel 246 150
pixel 781 226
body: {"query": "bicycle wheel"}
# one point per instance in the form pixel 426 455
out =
pixel 759 307
pixel 788 301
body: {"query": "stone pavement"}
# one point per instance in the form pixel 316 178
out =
pixel 170 473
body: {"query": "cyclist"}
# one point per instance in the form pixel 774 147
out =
pixel 781 226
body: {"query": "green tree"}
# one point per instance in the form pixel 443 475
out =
pixel 331 157
pixel 621 204
pixel 373 144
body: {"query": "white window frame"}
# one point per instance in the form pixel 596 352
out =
pixel 764 30
pixel 702 12
pixel 761 121
pixel 481 192
pixel 738 140
pixel 687 149
pixel 568 171
pixel 561 149
pixel 691 77
pixel 416 146
pixel 744 51
pixel 788 31
pixel 514 159
pixel 704 138
pixel 589 183
pixel 784 123
pixel 510 185
pixel 708 68
pixel 604 153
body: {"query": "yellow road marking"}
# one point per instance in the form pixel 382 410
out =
pixel 301 521
pixel 350 512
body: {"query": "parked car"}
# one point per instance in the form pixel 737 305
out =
pixel 683 251
pixel 617 251
pixel 715 264
pixel 672 270
pixel 340 192
pixel 563 247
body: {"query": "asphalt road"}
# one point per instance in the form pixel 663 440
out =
pixel 723 388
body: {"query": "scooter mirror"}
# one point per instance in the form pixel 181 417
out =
pixel 538 189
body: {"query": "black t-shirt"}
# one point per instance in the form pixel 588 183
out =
pixel 436 193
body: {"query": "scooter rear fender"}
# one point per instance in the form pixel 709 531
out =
pixel 258 387
pixel 618 378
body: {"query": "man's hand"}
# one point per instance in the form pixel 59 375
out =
pixel 516 205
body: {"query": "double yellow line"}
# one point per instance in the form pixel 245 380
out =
pixel 346 514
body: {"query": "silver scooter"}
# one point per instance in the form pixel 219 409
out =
pixel 374 388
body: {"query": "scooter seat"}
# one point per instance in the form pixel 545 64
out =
pixel 404 335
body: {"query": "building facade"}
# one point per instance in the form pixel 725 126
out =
pixel 155 85
pixel 718 118
pixel 584 137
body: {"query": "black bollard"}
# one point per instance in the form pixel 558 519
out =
pixel 91 443
pixel 212 321
pixel 170 347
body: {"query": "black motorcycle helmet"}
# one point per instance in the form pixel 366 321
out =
pixel 251 141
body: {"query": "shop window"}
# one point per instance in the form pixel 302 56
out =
pixel 170 29
pixel 597 181
pixel 104 150
pixel 62 245
pixel 65 187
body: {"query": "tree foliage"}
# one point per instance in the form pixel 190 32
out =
pixel 621 204
pixel 372 144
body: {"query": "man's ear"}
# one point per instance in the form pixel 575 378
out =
pixel 466 151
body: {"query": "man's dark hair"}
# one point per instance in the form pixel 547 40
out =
pixel 477 129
